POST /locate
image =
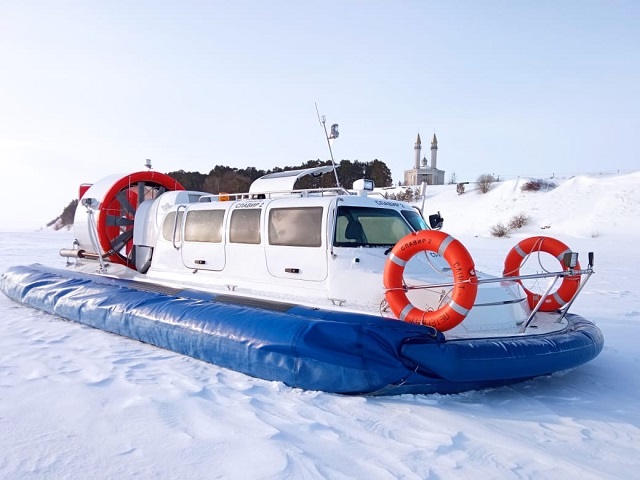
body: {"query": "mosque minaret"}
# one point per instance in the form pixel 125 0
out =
pixel 421 172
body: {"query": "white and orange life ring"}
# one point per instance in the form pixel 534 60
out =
pixel 552 246
pixel 465 281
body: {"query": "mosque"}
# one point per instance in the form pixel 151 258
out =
pixel 421 172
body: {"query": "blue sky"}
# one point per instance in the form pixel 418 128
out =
pixel 92 88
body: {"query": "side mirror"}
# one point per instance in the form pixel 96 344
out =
pixel 436 221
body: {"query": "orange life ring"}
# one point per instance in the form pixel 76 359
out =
pixel 552 246
pixel 464 290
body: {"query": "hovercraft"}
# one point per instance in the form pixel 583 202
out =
pixel 322 289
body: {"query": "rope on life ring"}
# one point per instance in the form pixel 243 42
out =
pixel 552 246
pixel 465 285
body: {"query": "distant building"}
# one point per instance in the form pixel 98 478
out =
pixel 421 172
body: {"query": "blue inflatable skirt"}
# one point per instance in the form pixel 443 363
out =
pixel 303 347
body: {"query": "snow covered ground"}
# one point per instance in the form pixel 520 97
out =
pixel 80 403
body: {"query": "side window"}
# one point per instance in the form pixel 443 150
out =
pixel 297 227
pixel 169 224
pixel 204 226
pixel 244 226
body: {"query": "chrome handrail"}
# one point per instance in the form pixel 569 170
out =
pixel 175 227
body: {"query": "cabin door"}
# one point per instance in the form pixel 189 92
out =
pixel 300 263
pixel 203 256
pixel 203 247
pixel 295 246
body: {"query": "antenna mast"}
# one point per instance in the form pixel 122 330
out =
pixel 330 138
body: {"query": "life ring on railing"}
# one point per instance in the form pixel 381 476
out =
pixel 465 285
pixel 552 246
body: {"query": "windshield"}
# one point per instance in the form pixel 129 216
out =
pixel 366 226
pixel 415 220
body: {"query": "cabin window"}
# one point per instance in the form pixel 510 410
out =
pixel 169 225
pixel 244 226
pixel 366 226
pixel 204 226
pixel 296 227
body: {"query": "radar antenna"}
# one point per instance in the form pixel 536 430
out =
pixel 330 138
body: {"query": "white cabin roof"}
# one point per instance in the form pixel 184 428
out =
pixel 284 181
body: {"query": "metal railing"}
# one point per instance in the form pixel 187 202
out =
pixel 223 197
pixel 554 275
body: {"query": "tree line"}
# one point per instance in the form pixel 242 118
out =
pixel 224 179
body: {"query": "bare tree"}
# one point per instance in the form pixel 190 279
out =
pixel 484 182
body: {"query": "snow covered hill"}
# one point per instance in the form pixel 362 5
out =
pixel 582 206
